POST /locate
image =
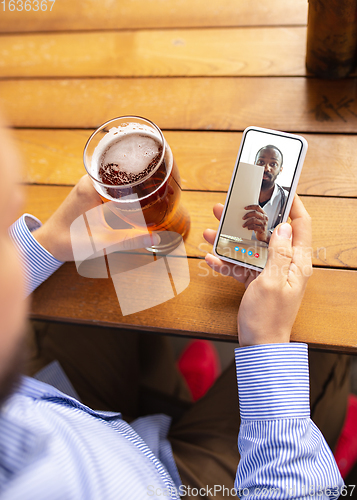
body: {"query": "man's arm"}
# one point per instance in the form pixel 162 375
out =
pixel 44 248
pixel 280 447
pixel 283 453
pixel 37 263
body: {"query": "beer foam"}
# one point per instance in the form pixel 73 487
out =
pixel 131 153
pixel 116 140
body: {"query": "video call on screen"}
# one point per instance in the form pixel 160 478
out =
pixel 262 182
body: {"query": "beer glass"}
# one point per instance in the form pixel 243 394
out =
pixel 132 166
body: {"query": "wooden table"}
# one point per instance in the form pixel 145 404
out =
pixel 202 71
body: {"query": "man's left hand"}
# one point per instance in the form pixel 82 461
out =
pixel 257 220
pixel 55 234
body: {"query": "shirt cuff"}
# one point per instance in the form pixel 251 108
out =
pixel 273 381
pixel 38 264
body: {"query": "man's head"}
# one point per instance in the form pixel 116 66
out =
pixel 271 158
pixel 13 307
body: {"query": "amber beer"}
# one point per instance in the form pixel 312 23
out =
pixel 128 157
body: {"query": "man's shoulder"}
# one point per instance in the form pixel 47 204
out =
pixel 282 191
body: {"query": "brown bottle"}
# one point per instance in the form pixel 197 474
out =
pixel 331 37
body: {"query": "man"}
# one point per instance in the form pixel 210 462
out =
pixel 54 446
pixel 263 218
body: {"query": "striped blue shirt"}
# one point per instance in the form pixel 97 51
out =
pixel 52 446
pixel 283 453
pixel 37 263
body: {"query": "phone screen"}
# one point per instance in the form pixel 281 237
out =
pixel 260 190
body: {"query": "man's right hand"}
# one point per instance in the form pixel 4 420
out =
pixel 269 306
pixel 257 220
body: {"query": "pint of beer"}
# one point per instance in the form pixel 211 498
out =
pixel 131 165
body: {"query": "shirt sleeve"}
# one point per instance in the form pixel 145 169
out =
pixel 283 453
pixel 37 263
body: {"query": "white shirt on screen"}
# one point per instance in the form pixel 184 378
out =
pixel 273 208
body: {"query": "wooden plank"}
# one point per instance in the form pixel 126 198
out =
pixel 128 14
pixel 330 166
pixel 291 104
pixel 189 52
pixel 52 156
pixel 207 308
pixel 334 221
pixel 205 159
pixel 42 201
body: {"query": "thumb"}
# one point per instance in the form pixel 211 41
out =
pixel 280 252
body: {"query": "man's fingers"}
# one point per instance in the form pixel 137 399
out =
pixel 90 235
pixel 280 253
pixel 227 268
pixel 209 235
pixel 290 256
pixel 302 237
pixel 301 224
pixel 255 208
pixel 255 227
pixel 251 214
pixel 253 223
pixel 217 210
pixel 132 239
pixel 105 237
pixel 256 215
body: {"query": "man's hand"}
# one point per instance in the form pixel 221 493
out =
pixel 55 234
pixel 257 220
pixel 241 274
pixel 271 302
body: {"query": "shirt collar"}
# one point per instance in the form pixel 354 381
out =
pixel 274 194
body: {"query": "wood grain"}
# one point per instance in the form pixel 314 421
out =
pixel 334 222
pixel 173 62
pixel 291 104
pixel 190 52
pixel 52 156
pixel 205 159
pixel 207 308
pixel 127 14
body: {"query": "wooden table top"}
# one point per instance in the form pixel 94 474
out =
pixel 203 71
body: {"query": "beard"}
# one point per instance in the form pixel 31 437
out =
pixel 12 371
pixel 268 183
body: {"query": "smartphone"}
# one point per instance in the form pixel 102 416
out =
pixel 260 195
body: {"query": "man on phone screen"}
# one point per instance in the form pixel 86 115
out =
pixel 263 218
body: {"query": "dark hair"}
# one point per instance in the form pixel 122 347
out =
pixel 270 146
